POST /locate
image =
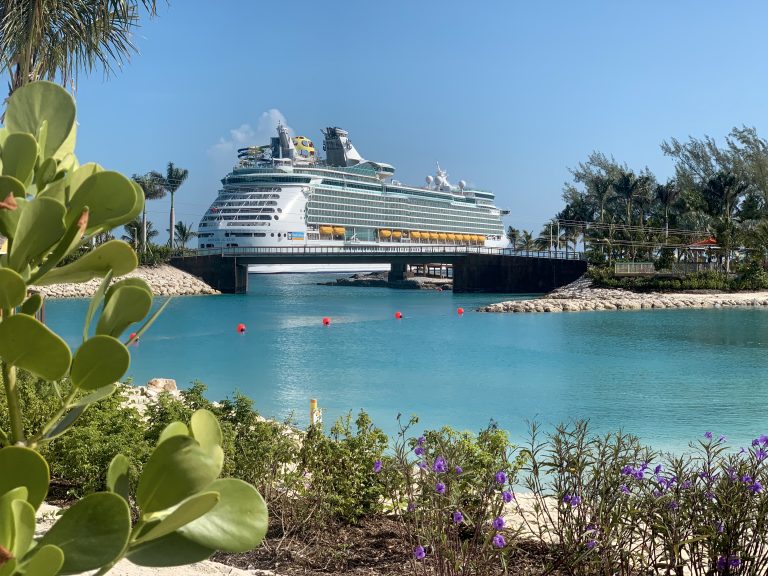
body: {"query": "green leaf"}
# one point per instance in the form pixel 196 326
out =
pixel 81 175
pixel 24 467
pixel 187 511
pixel 96 300
pixel 138 206
pixel 38 102
pixel 238 523
pixel 151 319
pixel 96 395
pixel 116 256
pixel 111 198
pixel 13 290
pixel 19 156
pixel 92 532
pixel 32 304
pixel 7 529
pixel 11 185
pixel 125 305
pixel 100 361
pixel 71 240
pixel 55 189
pixel 10 216
pixel 41 225
pixel 118 480
pixel 170 550
pixel 23 527
pixel 46 561
pixel 173 429
pixel 206 430
pixel 45 173
pixel 8 568
pixel 177 469
pixel 29 344
pixel 65 423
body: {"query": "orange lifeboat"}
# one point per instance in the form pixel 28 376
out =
pixel 385 233
pixel 433 236
pixel 326 230
pixel 338 231
pixel 443 236
pixel 451 236
pixel 416 234
pixel 397 234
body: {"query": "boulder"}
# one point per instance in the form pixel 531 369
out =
pixel 162 384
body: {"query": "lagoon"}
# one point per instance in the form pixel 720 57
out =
pixel 665 375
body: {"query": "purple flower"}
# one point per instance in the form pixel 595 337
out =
pixel 419 553
pixel 507 496
pixel 657 469
pixel 656 493
pixel 709 496
pixel 721 438
pixel 638 474
pixel 440 488
pixel 377 466
pixel 747 479
pixel 591 544
pixel 624 489
pixel 459 470
pixel 722 562
pixel 732 473
pixel 498 523
pixel 567 499
pixel 440 465
pixel 499 541
pixel 423 466
pixel 674 505
pixel 411 506
pixel 756 487
pixel 756 442
pixel 419 451
pixel 734 562
pixel 628 470
pixel 421 441
pixel 572 499
pixel 458 517
pixel 720 527
pixel 501 477
pixel 708 435
pixel 686 485
pixel 761 454
pixel 763 439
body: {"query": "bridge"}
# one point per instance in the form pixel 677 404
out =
pixel 475 268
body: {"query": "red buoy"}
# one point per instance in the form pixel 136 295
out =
pixel 326 321
pixel 460 311
pixel 398 315
pixel 133 338
pixel 241 328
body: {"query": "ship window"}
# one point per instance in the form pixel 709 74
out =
pixel 273 234
pixel 277 217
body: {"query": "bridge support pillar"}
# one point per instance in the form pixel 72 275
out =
pixel 224 274
pixel 397 272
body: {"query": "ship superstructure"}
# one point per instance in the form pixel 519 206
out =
pixel 283 194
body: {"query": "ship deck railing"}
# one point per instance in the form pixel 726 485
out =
pixel 447 250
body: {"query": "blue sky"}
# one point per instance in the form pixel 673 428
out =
pixel 506 95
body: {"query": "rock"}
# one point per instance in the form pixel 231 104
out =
pixel 162 385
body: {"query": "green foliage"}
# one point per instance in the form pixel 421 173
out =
pixel 751 277
pixel 449 489
pixel 155 255
pixel 50 208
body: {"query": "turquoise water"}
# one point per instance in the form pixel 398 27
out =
pixel 665 375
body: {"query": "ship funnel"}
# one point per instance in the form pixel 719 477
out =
pixel 339 151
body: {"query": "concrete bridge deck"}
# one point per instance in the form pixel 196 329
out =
pixel 476 268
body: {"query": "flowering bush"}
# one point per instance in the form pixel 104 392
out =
pixel 449 490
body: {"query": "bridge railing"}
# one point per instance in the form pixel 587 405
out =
pixel 435 250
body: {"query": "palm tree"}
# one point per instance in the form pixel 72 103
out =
pixel 183 233
pixel 723 193
pixel 134 231
pixel 55 40
pixel 152 185
pixel 174 178
pixel 513 235
pixel 527 242
pixel 667 194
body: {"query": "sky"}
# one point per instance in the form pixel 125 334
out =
pixel 506 95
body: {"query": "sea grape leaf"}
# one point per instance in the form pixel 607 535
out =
pixel 96 395
pixel 45 173
pixel 82 174
pixel 44 102
pixel 125 305
pixel 177 468
pixel 71 240
pixel 238 523
pixel 11 209
pixel 173 429
pixel 24 467
pixel 111 198
pixel 170 550
pixel 187 511
pixel 46 561
pixel 118 480
pixel 23 527
pixel 100 361
pixel 115 255
pixel 32 304
pixel 206 430
pixel 40 226
pixel 13 290
pixel 65 423
pixel 11 185
pixel 96 300
pixel 92 532
pixel 19 156
pixel 6 514
pixel 27 343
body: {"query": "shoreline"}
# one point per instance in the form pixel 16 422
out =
pixel 165 280
pixel 579 296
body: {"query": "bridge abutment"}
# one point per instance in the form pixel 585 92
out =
pixel 514 274
pixel 224 274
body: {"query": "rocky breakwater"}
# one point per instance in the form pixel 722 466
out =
pixel 580 296
pixel 164 280
pixel 381 280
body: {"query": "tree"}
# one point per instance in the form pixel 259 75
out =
pixel 137 235
pixel 152 185
pixel 183 233
pixel 527 242
pixel 513 235
pixel 55 40
pixel 667 194
pixel 174 178
pixel 723 193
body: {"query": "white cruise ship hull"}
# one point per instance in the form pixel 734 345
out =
pixel 315 268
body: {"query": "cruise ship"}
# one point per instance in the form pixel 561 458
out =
pixel 283 194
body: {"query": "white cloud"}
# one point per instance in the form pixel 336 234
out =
pixel 224 152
